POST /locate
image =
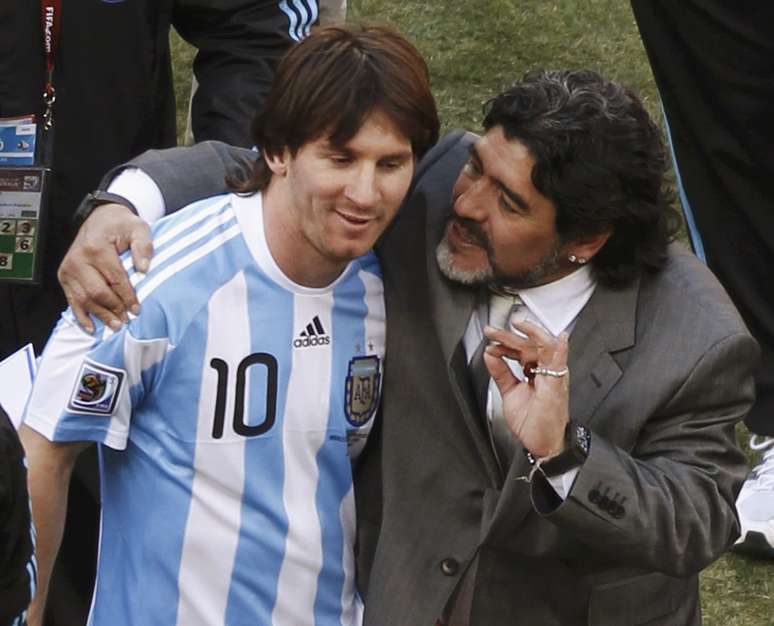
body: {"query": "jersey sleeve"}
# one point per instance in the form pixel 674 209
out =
pixel 88 385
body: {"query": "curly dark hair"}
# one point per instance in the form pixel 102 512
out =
pixel 600 159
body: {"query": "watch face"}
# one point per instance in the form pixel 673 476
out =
pixel 583 437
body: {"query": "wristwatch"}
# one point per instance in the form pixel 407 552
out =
pixel 577 443
pixel 97 198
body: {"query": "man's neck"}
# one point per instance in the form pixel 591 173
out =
pixel 557 303
pixel 294 255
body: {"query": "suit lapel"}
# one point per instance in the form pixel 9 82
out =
pixel 605 326
pixel 451 308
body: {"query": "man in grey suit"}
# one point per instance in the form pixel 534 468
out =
pixel 594 479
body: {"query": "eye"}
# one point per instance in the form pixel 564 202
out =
pixel 340 159
pixel 506 204
pixel 391 165
pixel 472 168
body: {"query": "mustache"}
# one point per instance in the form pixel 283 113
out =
pixel 472 229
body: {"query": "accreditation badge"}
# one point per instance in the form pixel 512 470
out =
pixel 23 202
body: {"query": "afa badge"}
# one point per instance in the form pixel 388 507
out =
pixel 97 389
pixel 362 390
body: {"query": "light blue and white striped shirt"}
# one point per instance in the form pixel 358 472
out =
pixel 230 410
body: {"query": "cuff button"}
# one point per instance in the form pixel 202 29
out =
pixel 450 567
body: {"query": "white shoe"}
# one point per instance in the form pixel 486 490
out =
pixel 755 504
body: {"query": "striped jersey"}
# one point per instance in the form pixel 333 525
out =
pixel 230 411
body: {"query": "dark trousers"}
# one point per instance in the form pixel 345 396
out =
pixel 713 61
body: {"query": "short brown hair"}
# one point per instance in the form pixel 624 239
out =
pixel 331 81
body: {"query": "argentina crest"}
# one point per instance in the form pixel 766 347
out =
pixel 362 389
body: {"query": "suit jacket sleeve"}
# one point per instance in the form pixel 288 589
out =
pixel 669 503
pixel 187 174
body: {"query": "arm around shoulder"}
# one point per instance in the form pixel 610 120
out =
pixel 187 174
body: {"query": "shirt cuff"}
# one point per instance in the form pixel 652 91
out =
pixel 563 483
pixel 142 191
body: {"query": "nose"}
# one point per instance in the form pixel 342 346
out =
pixel 363 189
pixel 470 201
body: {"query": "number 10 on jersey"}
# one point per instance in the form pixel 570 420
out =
pixel 258 359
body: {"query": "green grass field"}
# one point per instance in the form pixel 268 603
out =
pixel 475 49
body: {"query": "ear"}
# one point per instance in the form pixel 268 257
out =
pixel 278 163
pixel 582 250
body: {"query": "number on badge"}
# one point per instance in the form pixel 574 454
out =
pixel 25 227
pixel 24 244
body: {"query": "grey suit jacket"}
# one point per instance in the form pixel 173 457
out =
pixel 661 372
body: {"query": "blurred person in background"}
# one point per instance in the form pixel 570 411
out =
pixel 17 560
pixel 713 62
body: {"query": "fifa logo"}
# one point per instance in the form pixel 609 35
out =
pixel 49 24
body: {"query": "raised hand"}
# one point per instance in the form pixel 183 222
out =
pixel 537 409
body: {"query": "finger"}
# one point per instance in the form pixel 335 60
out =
pixel 499 371
pixel 107 317
pixel 86 322
pixel 100 272
pixel 83 300
pixel 117 280
pixel 522 356
pixel 123 289
pixel 562 351
pixel 536 333
pixel 99 296
pixel 82 317
pixel 552 351
pixel 509 339
pixel 141 246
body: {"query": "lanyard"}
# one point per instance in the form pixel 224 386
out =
pixel 50 12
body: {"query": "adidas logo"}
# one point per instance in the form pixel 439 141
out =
pixel 313 335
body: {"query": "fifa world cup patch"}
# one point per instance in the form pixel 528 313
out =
pixel 97 389
pixel 362 389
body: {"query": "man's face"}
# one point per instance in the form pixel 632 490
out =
pixel 341 198
pixel 502 230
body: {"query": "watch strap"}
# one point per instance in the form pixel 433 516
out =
pixel 577 443
pixel 97 198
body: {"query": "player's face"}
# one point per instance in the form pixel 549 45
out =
pixel 341 198
pixel 501 229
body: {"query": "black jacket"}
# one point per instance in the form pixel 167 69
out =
pixel 17 568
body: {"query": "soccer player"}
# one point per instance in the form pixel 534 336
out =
pixel 229 411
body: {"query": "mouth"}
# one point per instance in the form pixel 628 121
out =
pixel 461 236
pixel 357 221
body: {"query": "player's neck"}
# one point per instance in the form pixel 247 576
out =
pixel 294 254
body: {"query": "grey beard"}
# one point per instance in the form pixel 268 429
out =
pixel 531 278
pixel 443 255
pixel 490 276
